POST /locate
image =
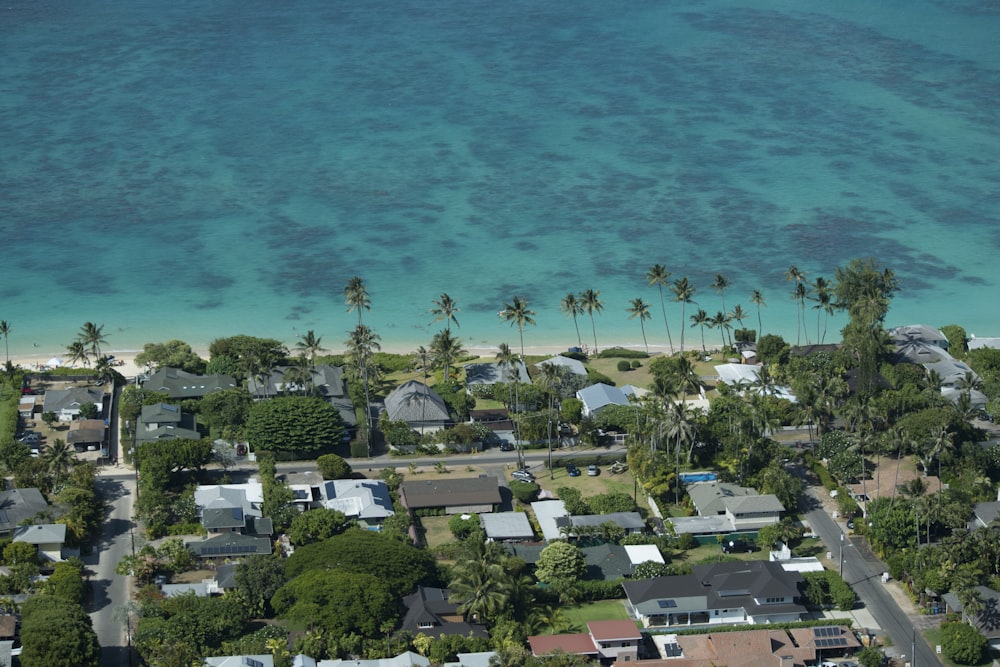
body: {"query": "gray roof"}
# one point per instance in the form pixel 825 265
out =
pixel 222 518
pixel 42 533
pixel 507 526
pixel 86 431
pixel 626 520
pixel 161 413
pixel 177 383
pixel 200 589
pixel 745 504
pixel 575 366
pixel 920 333
pixel 263 660
pixel 225 576
pixel 326 379
pixel 709 498
pixel 361 498
pixel 417 494
pixel 227 545
pixel 57 400
pixel 597 396
pixel 408 659
pixel 988 620
pixel 986 513
pixel 16 505
pixel 702 525
pixel 606 561
pixel 166 433
pixel 431 606
pixel 491 373
pixel 481 659
pixel 976 343
pixel 416 403
pixel 224 497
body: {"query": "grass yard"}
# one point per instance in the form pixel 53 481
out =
pixel 436 531
pixel 933 638
pixel 591 486
pixel 713 552
pixel 602 610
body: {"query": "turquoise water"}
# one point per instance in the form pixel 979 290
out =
pixel 190 169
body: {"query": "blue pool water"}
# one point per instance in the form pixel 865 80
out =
pixel 690 477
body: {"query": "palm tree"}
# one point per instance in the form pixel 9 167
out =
pixel 446 348
pixel 356 296
pixel 572 307
pixel 517 312
pixel 298 375
pixel 757 298
pixel 684 292
pixel 639 308
pixel 361 344
pixel 720 285
pixel 700 319
pixel 508 360
pixel 794 274
pixel 721 322
pixel 550 380
pixel 5 332
pixel 445 309
pixel 92 336
pixel 479 589
pixel 77 352
pixel 738 314
pixel 591 302
pixel 823 291
pixel 658 275
pixel 422 360
pixel 59 457
pixel 800 294
pixel 310 345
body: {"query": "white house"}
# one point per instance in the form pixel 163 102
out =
pixel 596 397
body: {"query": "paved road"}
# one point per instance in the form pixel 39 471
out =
pixel 863 571
pixel 109 591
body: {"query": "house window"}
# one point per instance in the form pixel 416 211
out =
pixel 774 600
pixel 426 624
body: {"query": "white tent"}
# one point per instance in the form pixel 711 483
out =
pixel 54 362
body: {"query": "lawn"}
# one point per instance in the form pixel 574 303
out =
pixel 602 610
pixel 933 638
pixel 713 552
pixel 436 531
pixel 591 486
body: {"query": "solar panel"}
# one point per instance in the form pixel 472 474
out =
pixel 827 631
pixel 672 650
pixel 253 663
pixel 667 604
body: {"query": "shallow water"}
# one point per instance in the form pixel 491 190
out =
pixel 172 169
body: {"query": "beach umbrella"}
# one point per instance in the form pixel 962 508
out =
pixel 55 362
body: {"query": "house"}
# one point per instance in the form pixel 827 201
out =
pixel 750 592
pixel 643 553
pixel 605 640
pixel 179 384
pixel 366 500
pixel 507 527
pixel 479 375
pixel 976 343
pixel 230 545
pixel 325 380
pixel 233 508
pixel 480 659
pixel 65 403
pixel 429 611
pixel 985 514
pixel 86 433
pixel 988 620
pixel 408 659
pixel 630 522
pixel 548 513
pixel 798 647
pixel 918 333
pixel 740 376
pixel 419 406
pixel 596 397
pixel 463 495
pixel 18 506
pixel 605 562
pixel 26 407
pixel 261 660
pixel 164 421
pixel 743 508
pixel 573 366
pixel 48 537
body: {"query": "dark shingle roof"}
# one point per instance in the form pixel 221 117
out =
pixel 450 492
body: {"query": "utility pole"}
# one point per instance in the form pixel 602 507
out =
pixel 841 555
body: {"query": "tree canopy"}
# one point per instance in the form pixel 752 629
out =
pixel 338 601
pixel 301 424
pixel 560 562
pixel 399 564
pixel 171 354
pixel 56 631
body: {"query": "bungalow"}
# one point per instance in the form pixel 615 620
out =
pixel 605 562
pixel 988 620
pixel 985 514
pixel 163 421
pixel 179 384
pixel 573 366
pixel 605 640
pixel 478 659
pixel 325 380
pixel 366 500
pixel 464 495
pixel 228 508
pixel 918 333
pixel 408 659
pixel 18 506
pixel 743 508
pixel 65 403
pixel 261 660
pixel 230 545
pixel 507 527
pixel 630 522
pixel 429 611
pixel 751 592
pixel 480 375
pixel 86 433
pixel 48 537
pixel 596 397
pixel 419 406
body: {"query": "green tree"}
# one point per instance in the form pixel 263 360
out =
pixel 60 458
pixel 463 525
pixel 5 330
pixel 310 345
pixel 15 553
pixel 865 292
pixel 445 308
pixel 560 562
pixel 302 424
pixel 332 466
pixel 56 631
pixel 700 319
pixel 171 354
pixel 76 352
pixel 226 410
pixel 639 308
pixel 316 525
pixel 446 349
pixel 92 336
pixel 684 292
pixel 757 299
pixel 259 577
pixel 517 313
pixel 66 581
pixel 658 275
pixel 338 601
pixel 962 643
pixel 356 297
pixel 88 411
pixel 591 302
pixel 572 307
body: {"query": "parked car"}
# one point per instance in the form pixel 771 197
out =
pixel 506 446
pixel 523 476
pixel 30 438
pixel 572 470
pixel 593 470
pixel 738 547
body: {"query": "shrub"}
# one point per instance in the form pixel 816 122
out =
pixel 962 643
pixel 525 492
pixel 624 365
pixel 636 364
pixel 620 352
pixel 331 466
pixel 462 525
pixel 596 377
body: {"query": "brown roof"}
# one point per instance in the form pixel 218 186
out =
pixel 613 630
pixel 580 644
pixel 419 494
pixel 8 626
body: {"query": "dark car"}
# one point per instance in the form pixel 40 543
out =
pixel 738 547
pixel 572 470
pixel 506 446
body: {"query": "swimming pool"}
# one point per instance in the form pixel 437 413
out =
pixel 689 477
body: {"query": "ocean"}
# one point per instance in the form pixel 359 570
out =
pixel 193 170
